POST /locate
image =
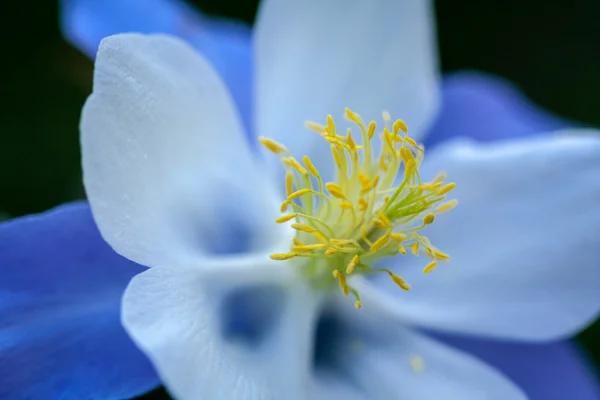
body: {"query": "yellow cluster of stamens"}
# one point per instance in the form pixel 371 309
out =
pixel 375 208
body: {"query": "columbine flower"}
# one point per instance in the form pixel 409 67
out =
pixel 60 284
pixel 174 185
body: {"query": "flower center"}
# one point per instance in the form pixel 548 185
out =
pixel 376 207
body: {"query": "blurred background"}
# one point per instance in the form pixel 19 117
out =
pixel 548 49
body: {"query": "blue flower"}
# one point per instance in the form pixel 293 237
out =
pixel 467 101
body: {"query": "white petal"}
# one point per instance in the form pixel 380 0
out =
pixel 176 316
pixel 524 240
pixel 380 359
pixel 316 57
pixel 167 169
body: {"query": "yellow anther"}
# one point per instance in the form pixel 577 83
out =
pixel 402 250
pixel 439 255
pixel 352 116
pixel 379 243
pixel 446 188
pixel 284 206
pixel 313 126
pixel 400 125
pixel 371 185
pixel 362 204
pixel 398 237
pixel 439 177
pixel 352 264
pixel 281 256
pixel 320 237
pixel 330 251
pixel 298 242
pixel 410 141
pixel 334 140
pixel 335 190
pixel 303 228
pixel 310 166
pixel 430 267
pixel 298 193
pixel 371 129
pixel 346 205
pixel 286 218
pixel 272 145
pixel 378 223
pixel 292 162
pixel 330 126
pixel 400 282
pixel 342 242
pixel 407 155
pixel 428 219
pixel 414 248
pixel 447 206
pixel 358 304
pixel 307 248
pixel 289 183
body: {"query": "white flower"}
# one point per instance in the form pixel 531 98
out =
pixel 175 185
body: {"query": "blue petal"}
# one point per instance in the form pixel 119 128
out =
pixel 60 293
pixel 487 108
pixel 226 44
pixel 549 371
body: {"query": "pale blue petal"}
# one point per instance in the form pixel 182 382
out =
pixel 60 294
pixel 316 57
pixel 548 371
pixel 226 44
pixel 182 320
pixel 166 165
pixel 485 108
pixel 524 240
pixel 372 354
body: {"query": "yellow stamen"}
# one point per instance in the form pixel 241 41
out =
pixel 303 228
pixel 447 206
pixel 428 219
pixel 430 267
pixel 446 188
pixel 370 208
pixel 286 218
pixel 415 248
pixel 400 282
pixel 272 145
pixel 298 193
pixel 310 166
pixel 282 256
pixel 352 264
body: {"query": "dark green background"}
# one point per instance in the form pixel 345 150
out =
pixel 550 49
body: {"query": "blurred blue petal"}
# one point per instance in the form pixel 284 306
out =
pixel 487 108
pixel 549 371
pixel 225 43
pixel 60 293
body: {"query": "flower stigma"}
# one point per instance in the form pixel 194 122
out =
pixel 376 207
